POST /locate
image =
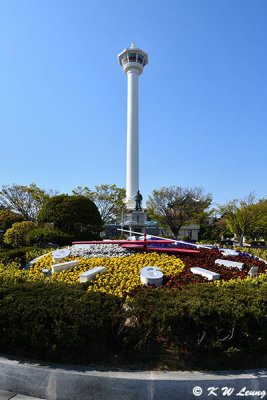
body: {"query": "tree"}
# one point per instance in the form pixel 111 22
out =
pixel 214 231
pixel 25 200
pixel 245 216
pixel 174 206
pixel 17 235
pixel 108 199
pixel 72 214
pixel 259 230
pixel 8 218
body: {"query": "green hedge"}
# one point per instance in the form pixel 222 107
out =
pixel 200 318
pixel 66 323
pixel 15 254
pixel 22 255
pixel 42 235
pixel 56 320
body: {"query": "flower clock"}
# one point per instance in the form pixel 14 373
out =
pixel 122 276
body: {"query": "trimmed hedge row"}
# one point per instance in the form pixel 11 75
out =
pixel 16 254
pixel 201 316
pixel 42 235
pixel 23 255
pixel 66 323
pixel 51 320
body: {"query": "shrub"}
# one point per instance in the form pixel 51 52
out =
pixel 11 255
pixel 22 255
pixel 1 239
pixel 200 316
pixel 51 320
pixel 17 235
pixel 11 271
pixel 119 237
pixel 42 235
pixel 72 214
pixel 8 218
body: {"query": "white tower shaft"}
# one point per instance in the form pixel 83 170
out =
pixel 132 169
pixel 133 61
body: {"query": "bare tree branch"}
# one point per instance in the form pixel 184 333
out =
pixel 25 200
pixel 174 206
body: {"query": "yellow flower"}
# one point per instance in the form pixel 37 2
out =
pixel 122 273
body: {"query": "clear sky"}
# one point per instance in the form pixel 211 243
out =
pixel 202 105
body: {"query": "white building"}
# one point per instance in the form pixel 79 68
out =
pixel 189 231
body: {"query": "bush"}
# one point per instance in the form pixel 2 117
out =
pixel 1 239
pixel 200 317
pixel 11 255
pixel 17 235
pixel 53 320
pixel 11 272
pixel 8 218
pixel 22 255
pixel 120 237
pixel 45 236
pixel 76 215
pixel 56 321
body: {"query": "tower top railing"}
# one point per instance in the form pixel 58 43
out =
pixel 133 55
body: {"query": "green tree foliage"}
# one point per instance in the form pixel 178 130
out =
pixel 174 206
pixel 108 199
pixel 26 200
pixel 72 214
pixel 210 232
pixel 259 230
pixel 246 217
pixel 214 231
pixel 8 218
pixel 43 236
pixel 17 235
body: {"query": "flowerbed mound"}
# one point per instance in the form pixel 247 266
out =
pixel 55 320
pixel 122 275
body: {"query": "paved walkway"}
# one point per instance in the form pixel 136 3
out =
pixel 6 395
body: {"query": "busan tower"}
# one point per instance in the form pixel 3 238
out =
pixel 133 61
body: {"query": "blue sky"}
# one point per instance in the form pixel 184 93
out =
pixel 203 95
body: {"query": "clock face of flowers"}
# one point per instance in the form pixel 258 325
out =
pixel 122 276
